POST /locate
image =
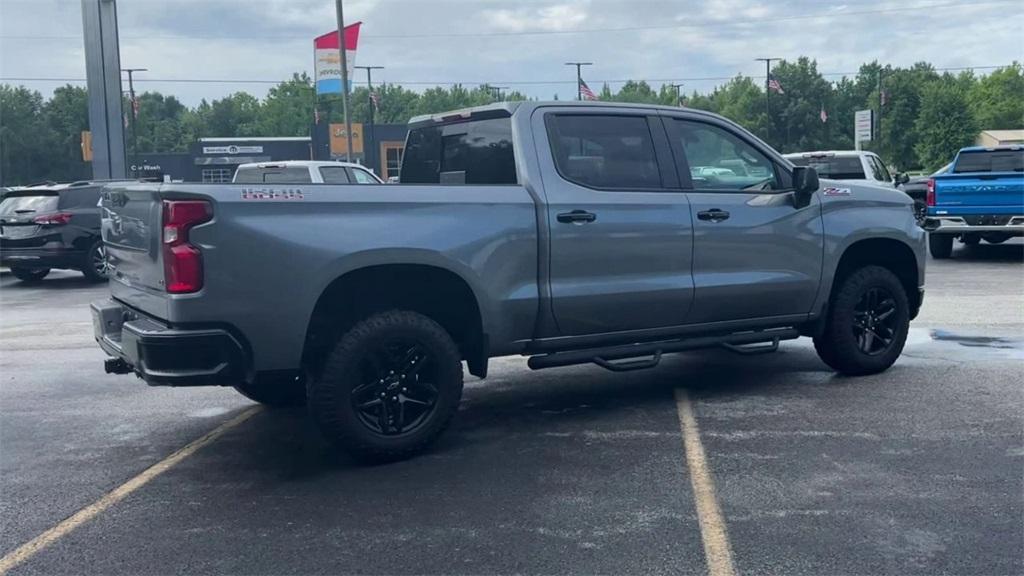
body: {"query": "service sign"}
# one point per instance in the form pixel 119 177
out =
pixel 232 149
pixel 863 125
pixel 327 60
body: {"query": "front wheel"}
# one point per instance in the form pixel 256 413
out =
pixel 30 274
pixel 867 323
pixel 940 245
pixel 389 387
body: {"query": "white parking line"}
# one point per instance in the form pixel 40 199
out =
pixel 717 551
pixel 32 547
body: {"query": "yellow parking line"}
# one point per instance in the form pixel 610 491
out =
pixel 717 551
pixel 32 547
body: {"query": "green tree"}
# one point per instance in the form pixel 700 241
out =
pixel 26 141
pixel 998 99
pixel 160 125
pixel 288 108
pixel 944 124
pixel 67 116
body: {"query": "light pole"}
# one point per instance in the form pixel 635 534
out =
pixel 369 97
pixel 344 77
pixel 132 116
pixel 579 77
pixel 679 95
pixel 767 91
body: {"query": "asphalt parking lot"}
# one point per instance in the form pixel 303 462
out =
pixel 569 471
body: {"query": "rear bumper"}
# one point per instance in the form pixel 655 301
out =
pixel 41 257
pixel 165 356
pixel 1006 224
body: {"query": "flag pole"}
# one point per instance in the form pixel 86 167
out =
pixel 344 78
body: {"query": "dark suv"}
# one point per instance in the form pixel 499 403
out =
pixel 58 226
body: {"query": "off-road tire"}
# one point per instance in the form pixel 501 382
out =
pixel 30 274
pixel 331 394
pixel 837 345
pixel 940 246
pixel 275 392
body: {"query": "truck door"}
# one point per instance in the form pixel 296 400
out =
pixel 755 253
pixel 620 229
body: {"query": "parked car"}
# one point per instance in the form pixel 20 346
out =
pixel 304 172
pixel 568 232
pixel 848 165
pixel 55 226
pixel 981 197
pixel 917 188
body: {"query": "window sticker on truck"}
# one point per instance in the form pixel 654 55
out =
pixel 272 194
pixel 836 192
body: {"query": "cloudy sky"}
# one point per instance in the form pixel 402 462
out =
pixel 192 48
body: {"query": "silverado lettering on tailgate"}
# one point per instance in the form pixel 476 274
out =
pixel 272 194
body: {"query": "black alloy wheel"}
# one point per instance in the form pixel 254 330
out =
pixel 874 321
pixel 398 390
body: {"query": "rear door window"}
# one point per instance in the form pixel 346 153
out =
pixel 604 151
pixel 334 175
pixel 473 152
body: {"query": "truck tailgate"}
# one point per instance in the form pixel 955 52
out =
pixel 994 193
pixel 131 231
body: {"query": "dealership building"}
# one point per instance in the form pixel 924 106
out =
pixel 213 160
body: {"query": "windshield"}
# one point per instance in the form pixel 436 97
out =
pixel 24 207
pixel 990 161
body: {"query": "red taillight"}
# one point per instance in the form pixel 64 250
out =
pixel 183 262
pixel 930 198
pixel 55 219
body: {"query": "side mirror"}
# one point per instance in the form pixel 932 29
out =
pixel 805 183
pixel 902 178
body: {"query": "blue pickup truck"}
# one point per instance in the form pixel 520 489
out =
pixel 980 197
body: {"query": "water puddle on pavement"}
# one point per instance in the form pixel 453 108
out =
pixel 955 346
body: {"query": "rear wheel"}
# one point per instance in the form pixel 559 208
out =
pixel 940 245
pixel 30 274
pixel 95 267
pixel 867 323
pixel 389 387
pixel 996 238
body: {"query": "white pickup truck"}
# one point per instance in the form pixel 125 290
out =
pixel 851 165
pixel 304 172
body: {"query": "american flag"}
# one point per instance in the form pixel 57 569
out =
pixel 773 84
pixel 316 115
pixel 823 115
pixel 586 92
pixel 375 98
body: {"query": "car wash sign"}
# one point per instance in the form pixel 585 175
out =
pixel 327 60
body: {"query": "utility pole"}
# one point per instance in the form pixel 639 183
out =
pixel 679 95
pixel 344 77
pixel 881 103
pixel 132 118
pixel 768 91
pixel 369 100
pixel 579 77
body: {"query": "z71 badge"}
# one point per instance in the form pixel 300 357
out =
pixel 836 192
pixel 272 194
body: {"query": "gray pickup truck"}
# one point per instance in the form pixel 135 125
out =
pixel 567 232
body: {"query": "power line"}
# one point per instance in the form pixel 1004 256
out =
pixel 500 34
pixel 469 82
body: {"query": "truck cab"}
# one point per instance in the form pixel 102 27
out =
pixel 848 165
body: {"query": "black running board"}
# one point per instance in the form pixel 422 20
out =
pixel 605 357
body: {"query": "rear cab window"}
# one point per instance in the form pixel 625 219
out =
pixel 472 151
pixel 834 167
pixel 334 175
pixel 273 174
pixel 990 161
